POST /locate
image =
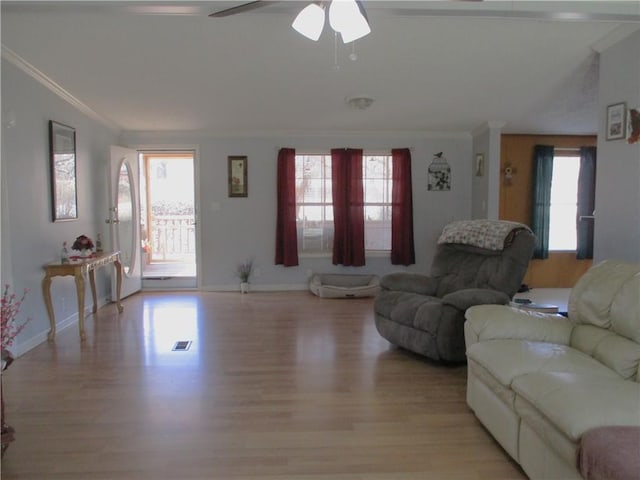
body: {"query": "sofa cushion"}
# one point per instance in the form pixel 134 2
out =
pixel 491 322
pixel 463 299
pixel 613 350
pixel 593 296
pixel 387 300
pixel 577 402
pixel 508 359
pixel 503 392
pixel 625 310
pixel 402 307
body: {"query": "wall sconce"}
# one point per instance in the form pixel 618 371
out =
pixel 9 119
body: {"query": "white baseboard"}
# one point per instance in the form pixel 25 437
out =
pixel 41 337
pixel 256 288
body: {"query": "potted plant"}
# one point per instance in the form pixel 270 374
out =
pixel 146 250
pixel 10 329
pixel 243 270
pixel 84 245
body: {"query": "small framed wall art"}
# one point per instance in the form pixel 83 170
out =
pixel 238 176
pixel 616 121
pixel 62 161
pixel 479 164
pixel 439 174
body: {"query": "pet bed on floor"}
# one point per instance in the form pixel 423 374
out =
pixel 336 285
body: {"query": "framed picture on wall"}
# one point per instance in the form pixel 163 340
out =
pixel 479 164
pixel 62 161
pixel 238 177
pixel 616 121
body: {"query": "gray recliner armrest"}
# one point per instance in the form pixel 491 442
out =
pixel 410 283
pixel 463 299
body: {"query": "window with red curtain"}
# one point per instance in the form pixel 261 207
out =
pixel 402 247
pixel 286 235
pixel 348 208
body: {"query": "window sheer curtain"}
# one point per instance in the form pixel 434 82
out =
pixel 402 246
pixel 586 202
pixel 286 233
pixel 541 204
pixel 348 207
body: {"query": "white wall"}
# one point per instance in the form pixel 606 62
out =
pixel 29 237
pixel 617 223
pixel 232 229
pixel 485 198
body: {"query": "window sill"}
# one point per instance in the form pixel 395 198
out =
pixel 368 253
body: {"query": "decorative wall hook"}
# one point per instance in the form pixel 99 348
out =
pixel 508 173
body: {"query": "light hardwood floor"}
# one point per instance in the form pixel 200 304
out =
pixel 274 386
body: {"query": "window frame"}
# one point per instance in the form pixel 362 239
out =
pixel 365 156
pixel 558 154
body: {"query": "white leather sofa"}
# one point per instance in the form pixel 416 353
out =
pixel 538 382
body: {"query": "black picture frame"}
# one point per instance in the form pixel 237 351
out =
pixel 64 182
pixel 238 176
pixel 616 121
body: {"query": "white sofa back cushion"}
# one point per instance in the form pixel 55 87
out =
pixel 605 305
pixel 592 296
pixel 625 311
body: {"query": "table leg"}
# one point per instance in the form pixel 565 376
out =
pixel 46 293
pixel 80 290
pixel 118 267
pixel 92 282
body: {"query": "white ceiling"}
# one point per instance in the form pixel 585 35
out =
pixel 430 66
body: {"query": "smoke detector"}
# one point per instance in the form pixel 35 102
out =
pixel 359 102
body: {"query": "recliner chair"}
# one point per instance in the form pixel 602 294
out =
pixel 476 262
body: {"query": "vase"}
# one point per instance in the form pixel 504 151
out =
pixel 244 287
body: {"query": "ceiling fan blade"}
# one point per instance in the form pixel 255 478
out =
pixel 245 7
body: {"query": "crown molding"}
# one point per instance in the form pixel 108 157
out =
pixel 132 135
pixel 489 125
pixel 15 59
pixel 617 35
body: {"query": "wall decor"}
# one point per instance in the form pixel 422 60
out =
pixel 238 176
pixel 479 164
pixel 634 126
pixel 62 151
pixel 439 174
pixel 616 123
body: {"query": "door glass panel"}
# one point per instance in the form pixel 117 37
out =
pixel 125 217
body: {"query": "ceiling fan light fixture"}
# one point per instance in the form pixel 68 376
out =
pixel 349 19
pixel 310 21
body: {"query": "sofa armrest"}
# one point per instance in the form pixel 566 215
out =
pixel 468 297
pixel 409 282
pixel 490 322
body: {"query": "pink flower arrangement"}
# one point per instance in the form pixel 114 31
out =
pixel 10 309
pixel 82 243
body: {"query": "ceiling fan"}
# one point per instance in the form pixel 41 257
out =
pixel 244 7
pixel 248 6
pixel 346 17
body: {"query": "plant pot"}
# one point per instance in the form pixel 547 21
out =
pixel 244 287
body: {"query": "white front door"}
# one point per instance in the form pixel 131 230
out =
pixel 124 216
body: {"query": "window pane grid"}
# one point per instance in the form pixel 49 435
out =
pixel 314 204
pixel 564 203
pixel 377 183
